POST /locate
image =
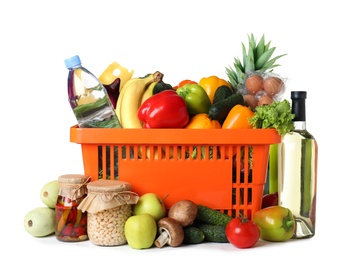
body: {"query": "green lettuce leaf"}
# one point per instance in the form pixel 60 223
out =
pixel 277 115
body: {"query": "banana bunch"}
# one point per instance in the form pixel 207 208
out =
pixel 148 92
pixel 131 97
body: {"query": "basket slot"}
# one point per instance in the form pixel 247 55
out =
pixel 90 160
pixel 102 160
pixel 179 153
pixel 242 180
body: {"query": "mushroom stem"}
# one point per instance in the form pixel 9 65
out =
pixel 162 239
pixel 170 232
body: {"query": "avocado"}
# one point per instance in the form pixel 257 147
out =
pixel 49 193
pixel 40 221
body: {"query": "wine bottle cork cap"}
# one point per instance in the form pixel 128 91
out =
pixel 298 94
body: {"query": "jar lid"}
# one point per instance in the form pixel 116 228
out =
pixel 73 178
pixel 73 185
pixel 108 186
pixel 107 194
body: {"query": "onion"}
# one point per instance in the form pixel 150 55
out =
pixel 254 84
pixel 273 85
pixel 250 101
pixel 265 100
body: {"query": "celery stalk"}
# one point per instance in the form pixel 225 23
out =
pixel 306 184
pixel 273 168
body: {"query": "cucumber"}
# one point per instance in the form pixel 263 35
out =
pixel 193 235
pixel 221 93
pixel 220 110
pixel 206 215
pixel 213 233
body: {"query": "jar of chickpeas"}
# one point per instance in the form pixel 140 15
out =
pixel 108 205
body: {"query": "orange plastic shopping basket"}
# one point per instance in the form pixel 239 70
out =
pixel 220 168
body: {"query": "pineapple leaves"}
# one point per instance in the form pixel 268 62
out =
pixel 256 58
pixel 238 64
pixel 271 63
pixel 240 74
pixel 232 76
pixel 243 55
pixel 250 65
pixel 264 58
pixel 248 59
pixel 260 48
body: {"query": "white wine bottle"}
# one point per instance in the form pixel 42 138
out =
pixel 297 170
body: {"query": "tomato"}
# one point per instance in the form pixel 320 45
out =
pixel 184 82
pixel 242 233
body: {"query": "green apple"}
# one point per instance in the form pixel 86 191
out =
pixel 150 203
pixel 140 231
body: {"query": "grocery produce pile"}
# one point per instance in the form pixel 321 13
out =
pixel 152 225
pixel 211 102
pixel 251 97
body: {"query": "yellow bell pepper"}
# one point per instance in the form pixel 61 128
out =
pixel 211 83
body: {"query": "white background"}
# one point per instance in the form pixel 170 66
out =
pixel 182 39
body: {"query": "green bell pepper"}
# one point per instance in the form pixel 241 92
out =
pixel 196 98
pixel 276 223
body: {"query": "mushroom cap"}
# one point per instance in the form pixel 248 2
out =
pixel 173 228
pixel 184 211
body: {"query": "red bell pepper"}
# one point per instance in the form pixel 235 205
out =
pixel 164 110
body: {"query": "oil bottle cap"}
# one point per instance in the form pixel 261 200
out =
pixel 73 62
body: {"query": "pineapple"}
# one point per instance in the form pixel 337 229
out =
pixel 257 59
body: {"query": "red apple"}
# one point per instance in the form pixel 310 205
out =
pixel 270 200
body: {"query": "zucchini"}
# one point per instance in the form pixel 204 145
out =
pixel 206 215
pixel 220 110
pixel 193 235
pixel 221 93
pixel 213 233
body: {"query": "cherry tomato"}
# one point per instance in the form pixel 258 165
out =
pixel 242 233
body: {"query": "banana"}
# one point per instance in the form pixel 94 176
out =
pixel 131 96
pixel 122 90
pixel 148 92
pixel 119 100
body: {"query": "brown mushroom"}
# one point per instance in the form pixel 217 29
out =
pixel 171 233
pixel 184 211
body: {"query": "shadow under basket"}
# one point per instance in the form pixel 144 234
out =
pixel 222 169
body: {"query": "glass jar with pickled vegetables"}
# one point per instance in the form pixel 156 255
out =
pixel 108 206
pixel 71 223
